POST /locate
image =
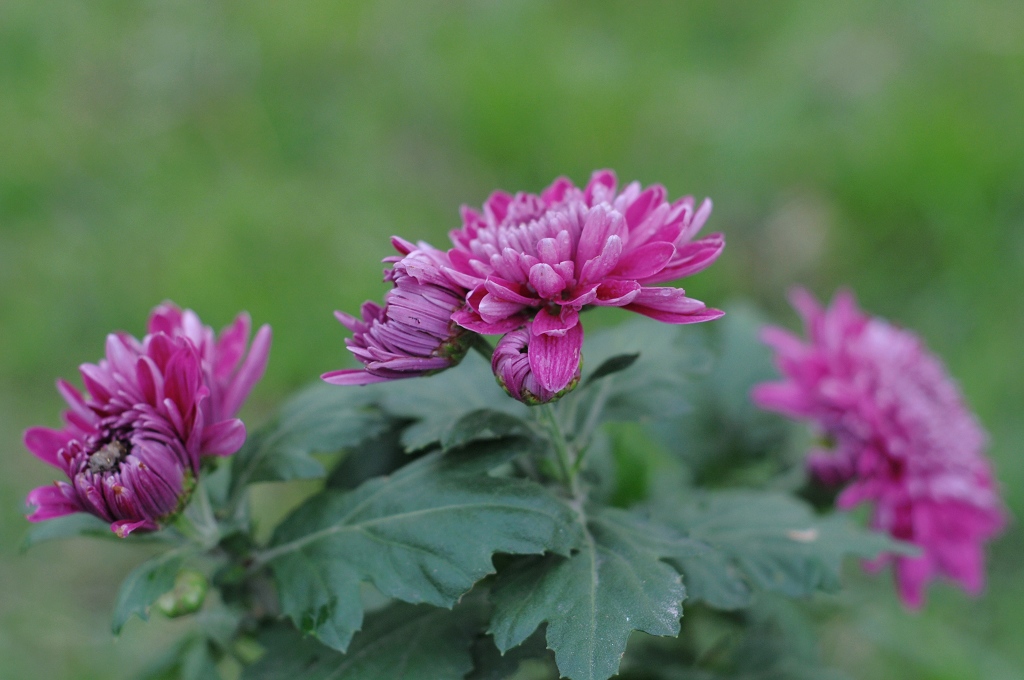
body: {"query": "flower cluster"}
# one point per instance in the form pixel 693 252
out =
pixel 529 264
pixel 903 439
pixel 132 444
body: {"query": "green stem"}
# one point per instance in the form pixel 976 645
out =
pixel 482 347
pixel 198 522
pixel 561 445
pixel 593 420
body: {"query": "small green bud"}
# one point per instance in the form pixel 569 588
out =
pixel 187 595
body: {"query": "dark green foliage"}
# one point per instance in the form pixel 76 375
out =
pixel 772 640
pixel 437 403
pixel 766 541
pixel 320 419
pixel 194 658
pixel 724 438
pixel 615 584
pixel 144 585
pixel 619 362
pixel 490 664
pixel 647 388
pixel 484 424
pixel 425 534
pixel 68 526
pixel 412 642
pixel 373 457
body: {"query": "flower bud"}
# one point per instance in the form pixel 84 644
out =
pixel 187 595
pixel 512 368
pixel 413 333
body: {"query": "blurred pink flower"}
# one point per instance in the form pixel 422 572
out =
pixel 132 445
pixel 545 258
pixel 511 366
pixel 903 439
pixel 228 377
pixel 413 333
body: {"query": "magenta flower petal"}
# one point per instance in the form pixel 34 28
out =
pixel 223 438
pixel 421 329
pixel 79 417
pixel 238 386
pixel 505 291
pixel 555 359
pixel 546 281
pixel 601 187
pixel 597 268
pixel 470 320
pixel 231 346
pixel 493 308
pixel 45 443
pixel 645 261
pixel 671 305
pixel 55 500
pixel 546 323
pixel 600 226
pixel 905 442
pixel 351 376
pixel 523 255
pixel 123 527
pixel 787 399
pixel 512 368
pixel 691 259
pixel 228 372
pixel 616 293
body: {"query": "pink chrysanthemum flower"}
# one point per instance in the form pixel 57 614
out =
pixel 511 366
pixel 413 333
pixel 132 444
pixel 903 439
pixel 545 258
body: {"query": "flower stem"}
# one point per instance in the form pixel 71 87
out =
pixel 562 447
pixel 198 521
pixel 593 420
pixel 482 347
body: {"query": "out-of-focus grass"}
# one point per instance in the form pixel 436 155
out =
pixel 257 155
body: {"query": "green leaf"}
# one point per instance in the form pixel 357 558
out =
pixel 198 662
pixel 592 601
pixel 437 402
pixel 68 526
pixel 320 419
pixel 380 455
pixel 424 534
pixel 490 664
pixel 774 639
pixel 710 576
pixel 653 386
pixel 191 658
pixel 481 425
pixel 724 436
pixel 411 642
pixel 774 541
pixel 619 362
pixel 144 585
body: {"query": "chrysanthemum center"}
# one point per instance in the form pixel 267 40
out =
pixel 109 456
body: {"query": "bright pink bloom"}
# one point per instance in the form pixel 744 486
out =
pixel 545 258
pixel 413 333
pixel 226 374
pixel 132 445
pixel 904 440
pixel 511 366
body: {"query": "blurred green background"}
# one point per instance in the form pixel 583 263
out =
pixel 257 156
